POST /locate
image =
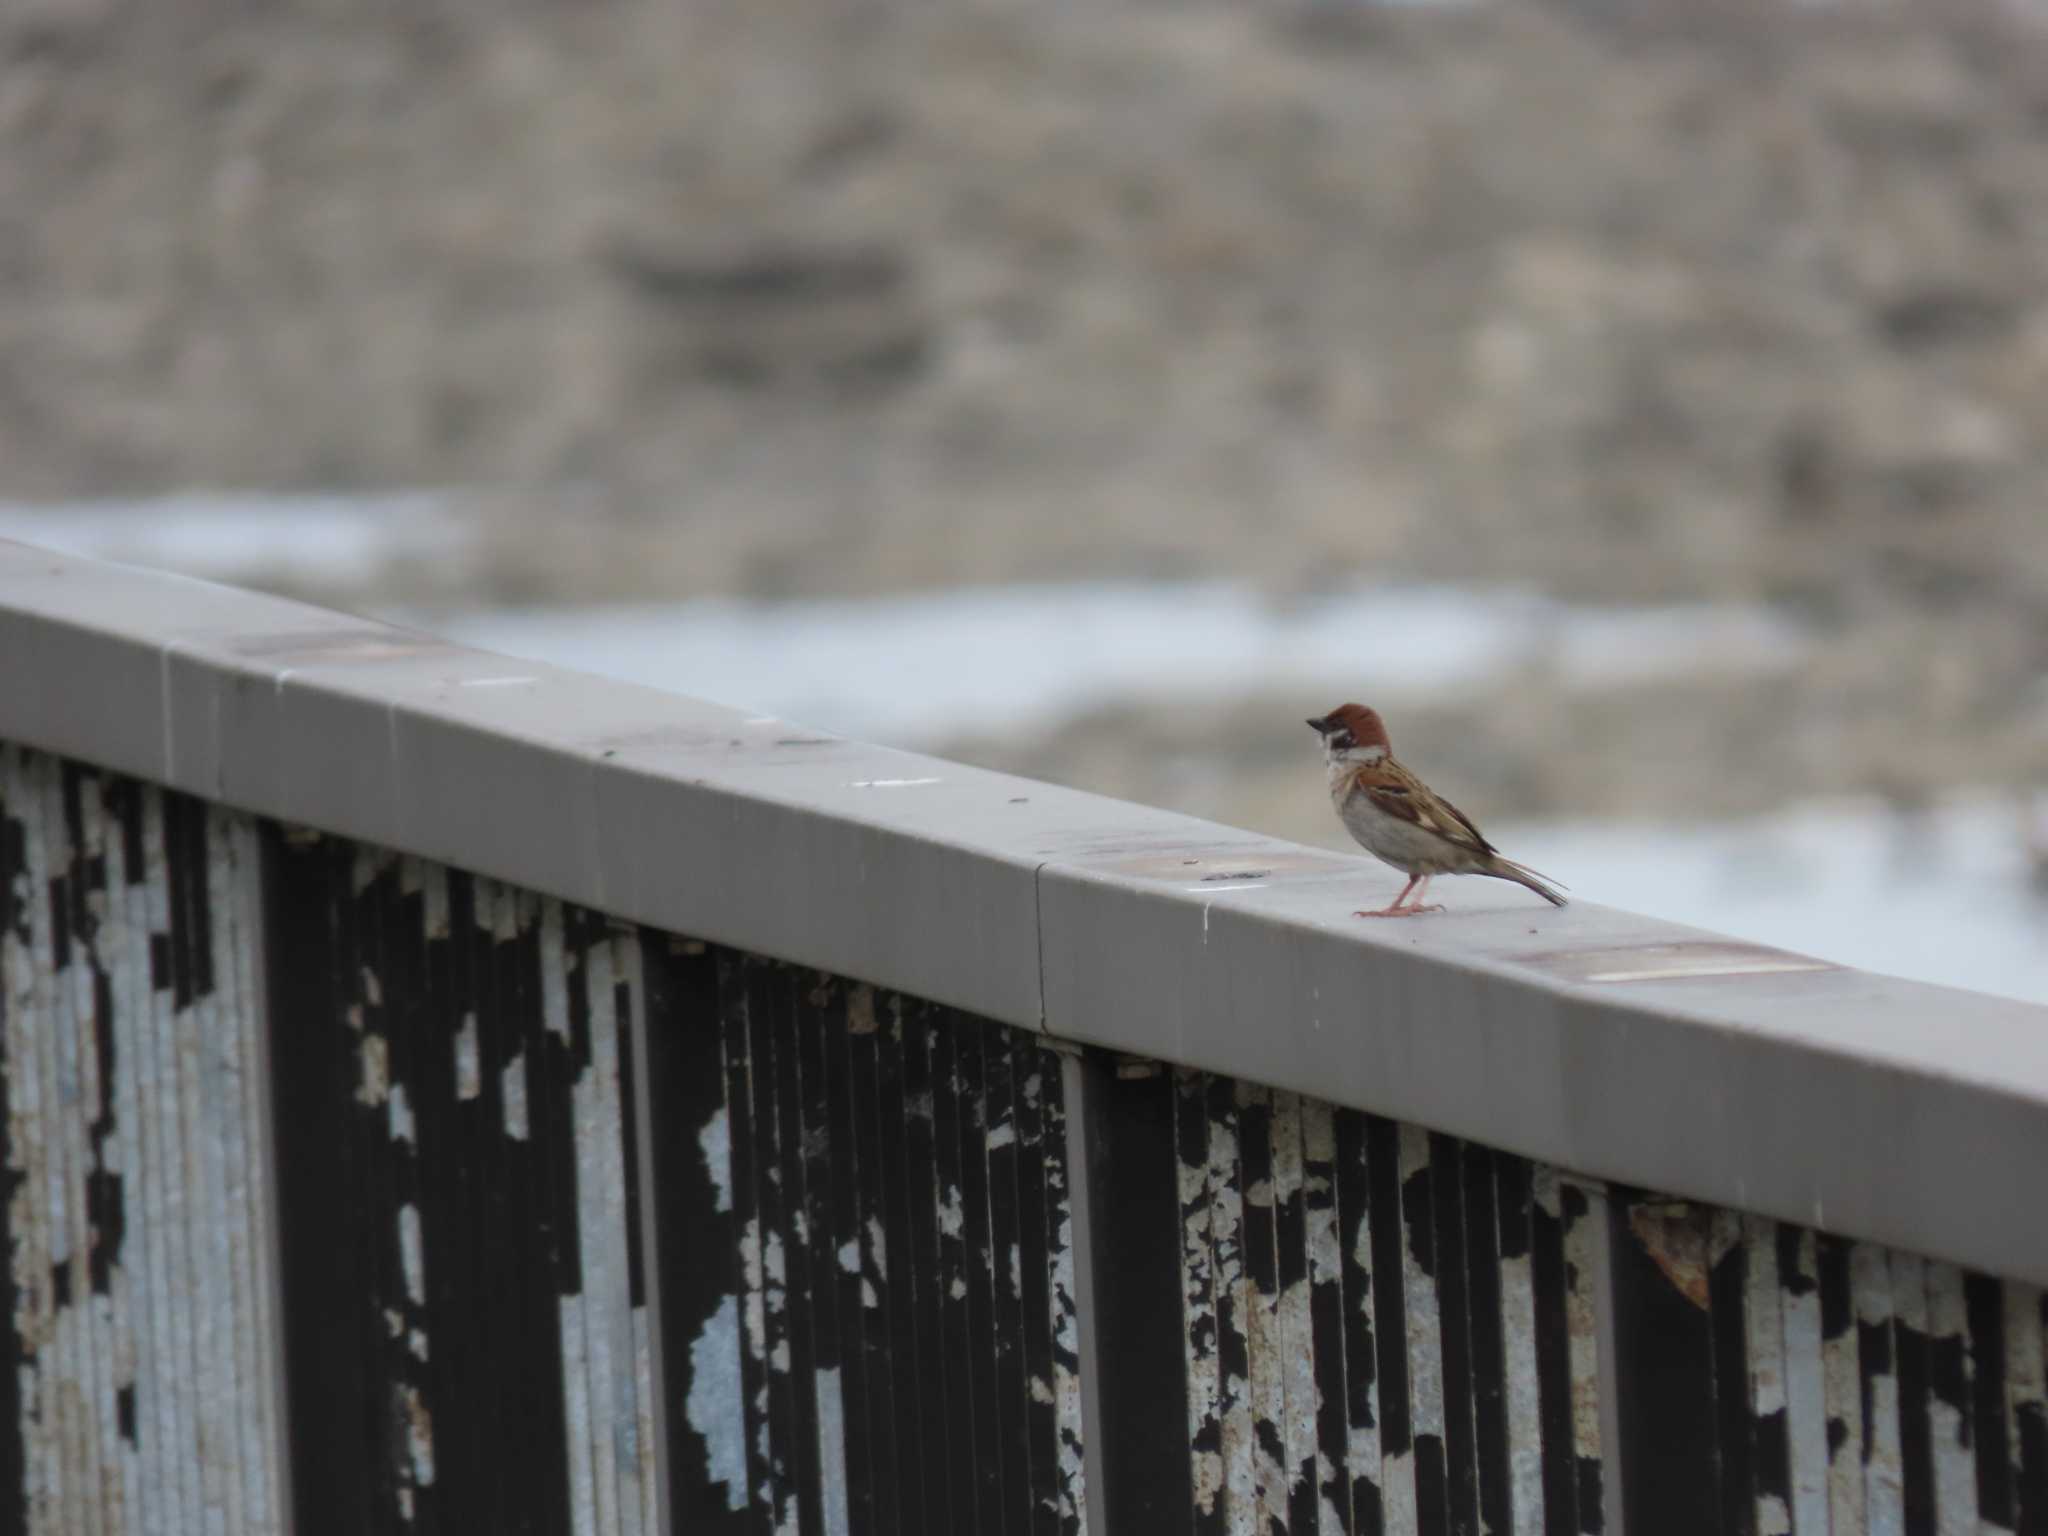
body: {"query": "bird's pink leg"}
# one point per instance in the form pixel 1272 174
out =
pixel 1417 906
pixel 1394 907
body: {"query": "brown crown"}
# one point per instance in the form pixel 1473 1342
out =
pixel 1365 725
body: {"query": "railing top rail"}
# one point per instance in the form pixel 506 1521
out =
pixel 1595 1039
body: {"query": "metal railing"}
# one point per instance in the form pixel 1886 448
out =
pixel 450 1093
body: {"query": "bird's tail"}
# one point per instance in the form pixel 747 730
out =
pixel 1521 874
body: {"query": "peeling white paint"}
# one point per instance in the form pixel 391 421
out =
pixel 1585 1258
pixel 1001 1136
pixel 714 1144
pixel 1955 1462
pixel 1765 1342
pixel 952 1216
pixel 419 1435
pixel 832 1500
pixel 374 1067
pixel 878 1248
pixel 1397 1491
pixel 713 1403
pixel 1842 1377
pixel 373 989
pixel 1418 1296
pixel 512 1089
pixel 849 1256
pixel 1871 1278
pixel 1233 1407
pixel 1523 1398
pixel 469 1076
pixel 434 886
pixel 1806 1426
pixel 412 1254
pixel 1291 1335
pixel 399 1117
pixel 860 1010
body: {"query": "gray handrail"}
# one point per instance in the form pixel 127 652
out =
pixel 1594 1039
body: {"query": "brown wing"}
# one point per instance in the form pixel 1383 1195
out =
pixel 1394 790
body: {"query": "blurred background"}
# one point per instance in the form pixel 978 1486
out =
pixel 1643 402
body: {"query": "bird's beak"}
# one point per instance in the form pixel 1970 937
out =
pixel 1320 727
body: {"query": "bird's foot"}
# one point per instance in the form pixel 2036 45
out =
pixel 1398 911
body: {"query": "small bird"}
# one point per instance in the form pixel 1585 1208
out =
pixel 1399 820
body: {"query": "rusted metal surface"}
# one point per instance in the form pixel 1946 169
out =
pixel 864 1241
pixel 141 1390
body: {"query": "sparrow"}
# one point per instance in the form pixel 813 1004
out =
pixel 1400 820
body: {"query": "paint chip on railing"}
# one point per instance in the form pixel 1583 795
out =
pixel 891 783
pixel 715 1142
pixel 469 1081
pixel 715 1387
pixel 1673 962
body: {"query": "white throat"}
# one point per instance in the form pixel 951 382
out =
pixel 1352 756
pixel 1340 764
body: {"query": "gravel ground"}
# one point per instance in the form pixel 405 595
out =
pixel 791 298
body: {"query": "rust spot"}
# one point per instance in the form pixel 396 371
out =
pixel 1686 960
pixel 1685 1242
pixel 860 1010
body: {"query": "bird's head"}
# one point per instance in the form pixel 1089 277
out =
pixel 1353 733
